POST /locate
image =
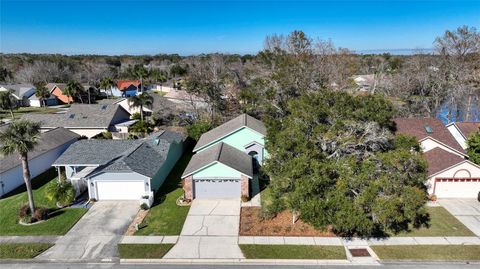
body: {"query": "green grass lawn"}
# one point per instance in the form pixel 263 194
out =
pixel 17 113
pixel 22 251
pixel 143 251
pixel 165 217
pixel 430 252
pixel 58 224
pixel 442 223
pixel 293 252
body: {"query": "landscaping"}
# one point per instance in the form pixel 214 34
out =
pixel 143 251
pixel 22 251
pixel 293 252
pixel 58 222
pixel 166 217
pixel 430 252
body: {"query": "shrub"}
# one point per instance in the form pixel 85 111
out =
pixel 245 198
pixel 61 192
pixel 25 214
pixel 41 213
pixel 144 206
pixel 136 116
pixel 198 128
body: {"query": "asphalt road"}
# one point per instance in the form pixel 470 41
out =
pixel 210 266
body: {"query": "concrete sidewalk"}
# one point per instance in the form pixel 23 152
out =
pixel 149 239
pixel 29 239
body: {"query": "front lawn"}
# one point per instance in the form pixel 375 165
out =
pixel 143 251
pixel 430 252
pixel 165 217
pixel 59 223
pixel 293 252
pixel 22 251
pixel 442 223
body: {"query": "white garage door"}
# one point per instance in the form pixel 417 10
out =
pixel 120 190
pixel 457 188
pixel 218 188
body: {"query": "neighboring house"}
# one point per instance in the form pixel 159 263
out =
pixel 225 159
pixel 21 92
pixel 159 102
pixel 127 88
pixel 83 119
pixel 50 146
pixel 462 130
pixel 121 169
pixel 36 102
pixel 450 173
pixel 56 89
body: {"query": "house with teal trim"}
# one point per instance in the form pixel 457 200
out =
pixel 226 159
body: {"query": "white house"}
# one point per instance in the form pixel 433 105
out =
pixel 462 130
pixel 21 92
pixel 450 173
pixel 51 145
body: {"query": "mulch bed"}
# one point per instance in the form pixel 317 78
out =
pixel 280 225
pixel 138 219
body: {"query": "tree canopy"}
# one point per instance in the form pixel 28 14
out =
pixel 473 149
pixel 335 160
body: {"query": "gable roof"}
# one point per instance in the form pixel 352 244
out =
pixel 222 153
pixel 48 141
pixel 439 159
pixel 468 128
pixel 124 84
pixel 144 156
pixel 418 127
pixel 61 86
pixel 20 90
pixel 79 115
pixel 228 127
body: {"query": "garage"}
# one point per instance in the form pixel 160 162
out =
pixel 120 190
pixel 457 188
pixel 216 188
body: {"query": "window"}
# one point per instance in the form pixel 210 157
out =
pixel 428 129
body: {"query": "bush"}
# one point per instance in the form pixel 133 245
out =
pixel 245 198
pixel 41 213
pixel 25 214
pixel 141 127
pixel 136 116
pixel 198 128
pixel 61 192
pixel 144 206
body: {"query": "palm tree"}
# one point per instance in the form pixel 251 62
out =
pixel 42 92
pixel 21 137
pixel 74 88
pixel 140 101
pixel 7 101
pixel 107 83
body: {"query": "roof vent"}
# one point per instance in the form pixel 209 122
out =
pixel 104 107
pixel 428 129
pixel 71 116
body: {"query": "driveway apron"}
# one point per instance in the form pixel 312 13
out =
pixel 466 211
pixel 210 231
pixel 96 235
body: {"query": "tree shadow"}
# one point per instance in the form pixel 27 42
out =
pixel 37 182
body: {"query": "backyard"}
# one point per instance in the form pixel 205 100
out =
pixel 59 222
pixel 24 110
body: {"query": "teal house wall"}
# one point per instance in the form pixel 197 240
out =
pixel 217 170
pixel 174 154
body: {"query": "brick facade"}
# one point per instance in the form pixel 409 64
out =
pixel 188 187
pixel 245 186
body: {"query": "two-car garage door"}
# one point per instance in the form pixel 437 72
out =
pixel 120 190
pixel 457 188
pixel 216 188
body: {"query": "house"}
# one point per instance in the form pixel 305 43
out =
pixel 121 169
pixel 50 146
pixel 21 92
pixel 127 88
pixel 83 119
pixel 450 173
pixel 462 130
pixel 159 102
pixel 225 159
pixel 56 89
pixel 34 101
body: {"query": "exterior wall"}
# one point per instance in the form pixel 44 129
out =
pixel 429 144
pixel 239 139
pixel 13 178
pixel 57 92
pixel 245 186
pixel 35 103
pixel 89 133
pixel 174 154
pixel 118 93
pixel 217 170
pixel 127 176
pixel 188 187
pixel 457 135
pixel 120 116
pixel 464 170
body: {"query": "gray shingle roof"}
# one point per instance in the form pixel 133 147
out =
pixel 222 153
pixel 79 115
pixel 243 120
pixel 48 141
pixel 144 156
pixel 20 90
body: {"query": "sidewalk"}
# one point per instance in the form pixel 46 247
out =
pixel 29 239
pixel 133 239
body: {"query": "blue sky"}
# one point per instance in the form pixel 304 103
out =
pixel 192 27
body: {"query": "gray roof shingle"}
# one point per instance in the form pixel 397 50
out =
pixel 243 120
pixel 20 90
pixel 222 153
pixel 49 140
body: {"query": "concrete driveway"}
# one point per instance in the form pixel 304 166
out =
pixel 465 210
pixel 210 231
pixel 96 234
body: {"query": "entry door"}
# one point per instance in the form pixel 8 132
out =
pixel 217 188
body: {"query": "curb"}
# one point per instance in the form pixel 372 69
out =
pixel 243 261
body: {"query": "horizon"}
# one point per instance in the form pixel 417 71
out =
pixel 190 28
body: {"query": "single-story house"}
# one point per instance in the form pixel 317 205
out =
pixel 121 169
pixel 450 173
pixel 159 102
pixel 462 130
pixel 50 146
pixel 127 88
pixel 56 89
pixel 84 119
pixel 21 92
pixel 225 159
pixel 36 102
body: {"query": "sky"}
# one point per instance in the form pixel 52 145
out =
pixel 194 27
